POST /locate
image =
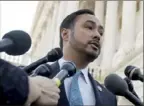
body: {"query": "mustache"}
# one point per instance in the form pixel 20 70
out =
pixel 96 43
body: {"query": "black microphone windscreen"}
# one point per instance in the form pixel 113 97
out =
pixel 70 67
pixel 133 73
pixel 54 54
pixel 129 83
pixel 42 70
pixel 21 42
pixel 128 70
pixel 116 84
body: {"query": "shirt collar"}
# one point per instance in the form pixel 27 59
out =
pixel 84 71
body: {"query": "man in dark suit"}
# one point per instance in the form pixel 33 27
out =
pixel 80 39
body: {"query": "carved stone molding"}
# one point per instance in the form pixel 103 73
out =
pixel 139 40
pixel 123 53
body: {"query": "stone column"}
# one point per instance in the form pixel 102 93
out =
pixel 111 25
pixel 141 15
pixel 72 6
pixel 99 11
pixel 65 8
pixel 88 4
pixel 128 24
pixel 51 29
pixel 128 32
pixel 60 15
pixel 44 40
pixel 139 18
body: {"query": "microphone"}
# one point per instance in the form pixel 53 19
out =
pixel 42 70
pixel 130 86
pixel 118 86
pixel 15 42
pixel 134 73
pixel 68 69
pixel 52 56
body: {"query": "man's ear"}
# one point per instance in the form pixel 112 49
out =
pixel 65 34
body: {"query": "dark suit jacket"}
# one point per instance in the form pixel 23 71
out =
pixel 103 98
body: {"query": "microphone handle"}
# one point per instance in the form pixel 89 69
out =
pixel 141 77
pixel 42 70
pixel 132 98
pixel 32 66
pixel 135 94
pixel 59 78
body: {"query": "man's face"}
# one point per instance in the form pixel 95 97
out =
pixel 86 35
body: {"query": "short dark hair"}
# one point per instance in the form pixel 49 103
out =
pixel 69 21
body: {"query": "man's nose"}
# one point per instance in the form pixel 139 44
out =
pixel 97 36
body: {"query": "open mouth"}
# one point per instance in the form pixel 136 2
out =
pixel 95 46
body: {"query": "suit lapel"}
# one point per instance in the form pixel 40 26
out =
pixel 63 101
pixel 97 92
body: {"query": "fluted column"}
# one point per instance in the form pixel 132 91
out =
pixel 72 6
pixel 141 15
pixel 65 8
pixel 87 4
pixel 99 11
pixel 139 18
pixel 128 33
pixel 45 36
pixel 109 36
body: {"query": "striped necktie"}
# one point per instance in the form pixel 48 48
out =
pixel 75 97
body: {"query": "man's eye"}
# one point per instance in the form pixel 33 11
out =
pixel 101 33
pixel 90 27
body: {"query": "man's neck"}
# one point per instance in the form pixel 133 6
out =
pixel 78 59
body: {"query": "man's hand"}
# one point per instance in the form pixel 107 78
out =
pixel 43 92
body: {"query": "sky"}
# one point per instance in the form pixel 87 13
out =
pixel 16 15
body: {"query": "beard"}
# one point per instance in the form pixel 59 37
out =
pixel 82 50
pixel 92 56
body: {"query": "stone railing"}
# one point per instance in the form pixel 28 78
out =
pixel 17 60
pixel 96 73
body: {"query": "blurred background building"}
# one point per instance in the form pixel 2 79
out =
pixel 16 15
pixel 123 38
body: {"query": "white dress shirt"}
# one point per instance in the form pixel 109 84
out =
pixel 85 86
